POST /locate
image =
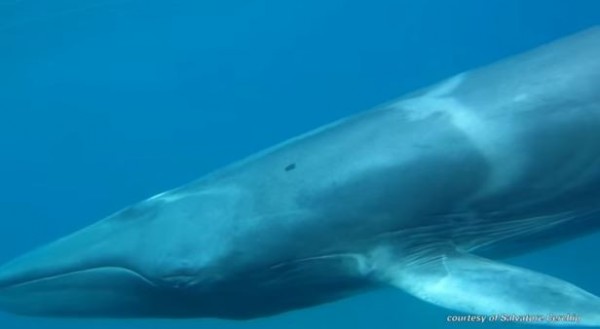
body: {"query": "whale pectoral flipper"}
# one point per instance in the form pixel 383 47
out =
pixel 476 285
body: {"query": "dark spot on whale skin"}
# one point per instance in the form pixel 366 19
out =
pixel 290 167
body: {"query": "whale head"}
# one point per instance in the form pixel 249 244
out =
pixel 149 260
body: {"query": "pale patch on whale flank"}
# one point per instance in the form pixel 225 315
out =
pixel 490 139
pixel 447 87
pixel 432 102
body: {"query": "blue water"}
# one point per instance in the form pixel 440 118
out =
pixel 104 103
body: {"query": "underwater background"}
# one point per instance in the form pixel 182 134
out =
pixel 105 103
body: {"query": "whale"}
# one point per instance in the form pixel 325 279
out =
pixel 427 194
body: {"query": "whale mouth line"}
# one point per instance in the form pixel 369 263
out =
pixel 28 281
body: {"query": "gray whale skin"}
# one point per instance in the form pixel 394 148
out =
pixel 424 194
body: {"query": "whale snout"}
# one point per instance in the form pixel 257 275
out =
pixel 122 266
pixel 65 279
pixel 93 292
pixel 90 273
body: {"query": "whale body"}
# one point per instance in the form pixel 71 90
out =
pixel 424 194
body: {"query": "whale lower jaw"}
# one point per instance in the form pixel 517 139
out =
pixel 105 289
